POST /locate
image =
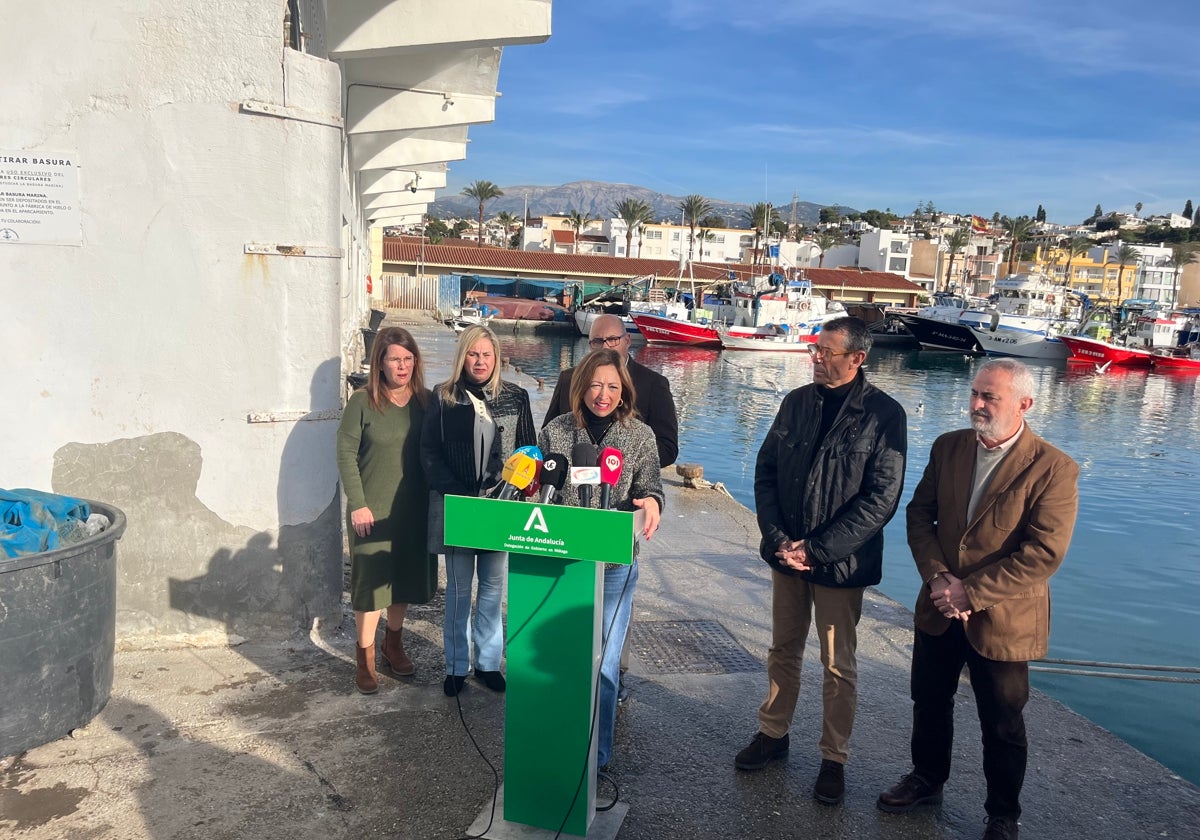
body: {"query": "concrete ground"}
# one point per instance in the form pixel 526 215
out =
pixel 268 739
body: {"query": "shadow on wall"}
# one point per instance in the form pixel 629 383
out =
pixel 176 571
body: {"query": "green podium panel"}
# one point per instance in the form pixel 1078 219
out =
pixel 555 604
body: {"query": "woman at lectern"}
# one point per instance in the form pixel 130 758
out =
pixel 603 416
pixel 475 420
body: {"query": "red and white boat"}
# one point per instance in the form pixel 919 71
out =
pixel 1176 359
pixel 792 341
pixel 1104 354
pixel 660 329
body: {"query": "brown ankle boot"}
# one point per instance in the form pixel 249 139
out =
pixel 364 675
pixel 393 653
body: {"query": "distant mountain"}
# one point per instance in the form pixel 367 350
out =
pixel 597 199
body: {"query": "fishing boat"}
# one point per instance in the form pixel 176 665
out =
pixel 1020 343
pixel 1184 359
pixel 783 341
pixel 1103 353
pixel 936 326
pixel 663 329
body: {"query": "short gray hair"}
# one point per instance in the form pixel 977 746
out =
pixel 1022 379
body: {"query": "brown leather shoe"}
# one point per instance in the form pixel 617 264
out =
pixel 907 794
pixel 393 653
pixel 364 675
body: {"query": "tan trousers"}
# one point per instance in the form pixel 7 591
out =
pixel 795 603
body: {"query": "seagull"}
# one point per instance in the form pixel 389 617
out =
pixel 920 407
pixel 1102 368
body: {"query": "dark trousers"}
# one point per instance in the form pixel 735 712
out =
pixel 1001 691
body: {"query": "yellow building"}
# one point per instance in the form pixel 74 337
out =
pixel 1098 280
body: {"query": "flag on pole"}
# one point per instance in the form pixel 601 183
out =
pixel 978 224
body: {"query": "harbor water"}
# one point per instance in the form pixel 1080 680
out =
pixel 1127 591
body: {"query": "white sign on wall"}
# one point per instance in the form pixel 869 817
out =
pixel 39 198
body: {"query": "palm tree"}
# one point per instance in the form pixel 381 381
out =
pixel 759 217
pixel 483 192
pixel 1018 229
pixel 635 213
pixel 577 221
pixel 1076 246
pixel 1125 255
pixel 1182 253
pixel 825 241
pixel 694 208
pixel 508 220
pixel 955 242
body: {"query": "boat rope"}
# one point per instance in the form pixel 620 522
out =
pixel 1082 666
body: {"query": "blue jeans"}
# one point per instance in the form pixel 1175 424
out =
pixel 620 604
pixel 462 566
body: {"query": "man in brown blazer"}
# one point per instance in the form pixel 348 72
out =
pixel 988 525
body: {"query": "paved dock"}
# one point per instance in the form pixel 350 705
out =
pixel 268 738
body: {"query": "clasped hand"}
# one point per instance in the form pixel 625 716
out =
pixel 950 597
pixel 794 555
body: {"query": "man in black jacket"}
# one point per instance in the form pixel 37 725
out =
pixel 655 406
pixel 827 479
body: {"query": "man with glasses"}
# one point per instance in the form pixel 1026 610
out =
pixel 655 406
pixel 828 478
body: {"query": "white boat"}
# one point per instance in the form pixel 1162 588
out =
pixel 467 316
pixel 1028 313
pixel 784 341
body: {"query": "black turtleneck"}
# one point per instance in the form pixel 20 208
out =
pixel 597 427
pixel 832 400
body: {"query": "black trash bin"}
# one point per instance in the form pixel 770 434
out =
pixel 57 631
pixel 376 319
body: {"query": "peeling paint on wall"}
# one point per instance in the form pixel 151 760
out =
pixel 181 569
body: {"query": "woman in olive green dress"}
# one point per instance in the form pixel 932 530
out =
pixel 387 501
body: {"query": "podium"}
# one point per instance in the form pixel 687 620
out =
pixel 556 559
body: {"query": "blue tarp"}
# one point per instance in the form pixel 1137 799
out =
pixel 30 520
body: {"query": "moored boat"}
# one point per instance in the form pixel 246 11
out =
pixel 935 334
pixel 659 329
pixel 779 342
pixel 1020 343
pixel 1103 354
pixel 1186 359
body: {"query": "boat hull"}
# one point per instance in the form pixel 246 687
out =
pixel 1023 345
pixel 1166 361
pixel 1103 354
pixel 939 335
pixel 659 330
pixel 776 343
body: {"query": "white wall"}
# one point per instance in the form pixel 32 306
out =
pixel 160 323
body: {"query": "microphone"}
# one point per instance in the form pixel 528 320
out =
pixel 518 471
pixel 611 461
pixel 535 483
pixel 585 471
pixel 554 476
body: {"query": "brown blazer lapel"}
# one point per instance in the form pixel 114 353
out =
pixel 1012 467
pixel 960 480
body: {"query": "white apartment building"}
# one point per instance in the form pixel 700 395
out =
pixel 885 250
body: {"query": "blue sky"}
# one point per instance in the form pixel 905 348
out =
pixel 977 107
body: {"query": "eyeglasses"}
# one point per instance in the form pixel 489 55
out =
pixel 609 341
pixel 819 352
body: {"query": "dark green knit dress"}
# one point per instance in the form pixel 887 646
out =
pixel 379 460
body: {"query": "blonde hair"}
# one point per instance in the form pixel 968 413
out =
pixel 452 388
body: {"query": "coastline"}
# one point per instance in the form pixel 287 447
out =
pixel 269 737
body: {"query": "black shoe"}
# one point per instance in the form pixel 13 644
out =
pixel 762 750
pixel 622 693
pixel 1000 828
pixel 831 783
pixel 907 794
pixel 453 685
pixel 492 679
